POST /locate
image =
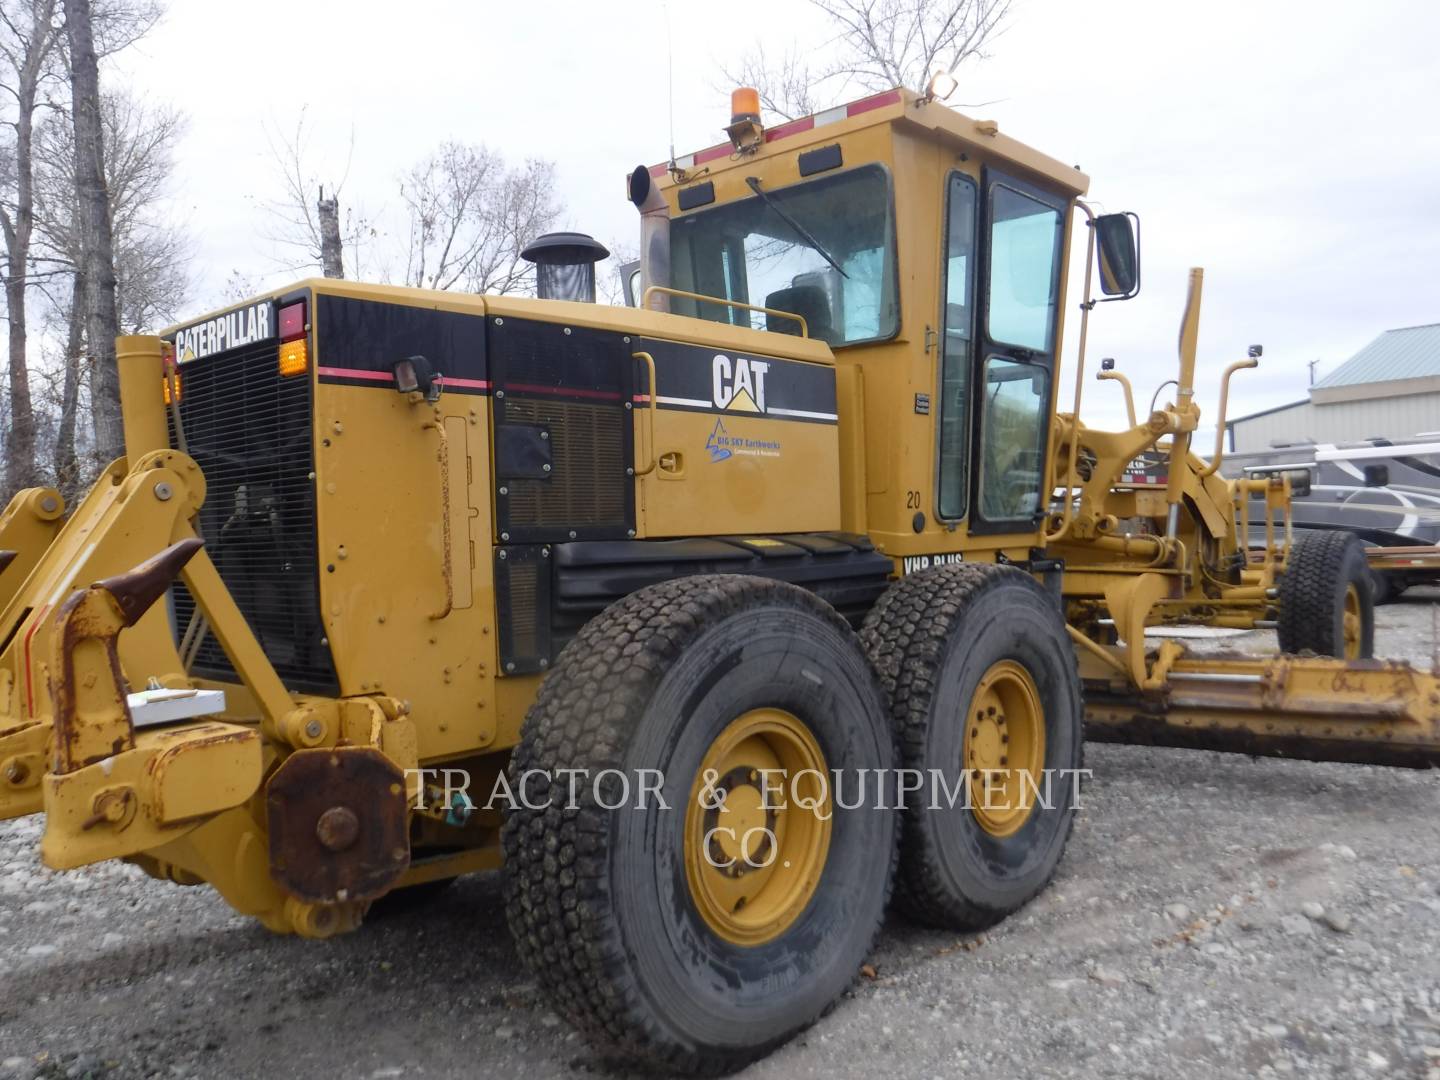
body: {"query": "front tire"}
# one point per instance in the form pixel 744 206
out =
pixel 1327 603
pixel 653 953
pixel 983 687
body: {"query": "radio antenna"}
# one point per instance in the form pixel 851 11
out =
pixel 670 78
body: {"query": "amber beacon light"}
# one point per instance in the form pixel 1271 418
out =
pixel 746 131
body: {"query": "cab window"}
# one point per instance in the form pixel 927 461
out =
pixel 1012 446
pixel 824 250
pixel 1024 281
pixel 956 347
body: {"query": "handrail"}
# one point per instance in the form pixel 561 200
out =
pixel 1125 385
pixel 650 439
pixel 1085 306
pixel 1224 407
pixel 645 302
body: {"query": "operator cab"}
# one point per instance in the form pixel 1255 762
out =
pixel 928 252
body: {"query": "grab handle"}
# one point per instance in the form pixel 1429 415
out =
pixel 650 433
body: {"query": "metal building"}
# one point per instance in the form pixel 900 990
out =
pixel 1390 389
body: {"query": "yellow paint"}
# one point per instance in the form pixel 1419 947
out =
pixel 755 847
pixel 406 542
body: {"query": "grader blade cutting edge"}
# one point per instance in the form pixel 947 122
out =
pixel 1379 712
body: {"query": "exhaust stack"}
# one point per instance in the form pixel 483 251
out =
pixel 654 237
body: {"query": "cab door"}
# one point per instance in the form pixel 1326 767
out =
pixel 1016 332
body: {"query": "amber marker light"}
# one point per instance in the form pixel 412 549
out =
pixel 294 356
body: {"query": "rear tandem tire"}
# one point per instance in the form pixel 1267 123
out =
pixel 604 904
pixel 1327 597
pixel 966 652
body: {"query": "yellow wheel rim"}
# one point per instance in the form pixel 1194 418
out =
pixel 1352 623
pixel 757 828
pixel 1004 748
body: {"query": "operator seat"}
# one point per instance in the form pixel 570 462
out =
pixel 807 301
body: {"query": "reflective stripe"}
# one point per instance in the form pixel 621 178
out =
pixel 802 414
pixel 785 130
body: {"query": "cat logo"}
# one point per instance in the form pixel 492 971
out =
pixel 739 385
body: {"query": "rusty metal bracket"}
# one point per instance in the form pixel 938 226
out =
pixel 92 716
pixel 339 824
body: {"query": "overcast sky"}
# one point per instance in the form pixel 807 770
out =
pixel 1291 148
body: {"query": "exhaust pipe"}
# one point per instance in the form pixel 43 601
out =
pixel 654 237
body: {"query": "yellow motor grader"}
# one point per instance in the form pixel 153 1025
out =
pixel 709 619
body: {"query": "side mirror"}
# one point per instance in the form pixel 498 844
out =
pixel 1117 244
pixel 1377 475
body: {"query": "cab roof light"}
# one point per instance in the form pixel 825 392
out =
pixel 746 131
pixel 941 85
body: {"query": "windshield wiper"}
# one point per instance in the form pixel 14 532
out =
pixel 754 184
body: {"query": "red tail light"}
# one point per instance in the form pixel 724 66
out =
pixel 292 321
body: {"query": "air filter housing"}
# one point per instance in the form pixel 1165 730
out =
pixel 565 265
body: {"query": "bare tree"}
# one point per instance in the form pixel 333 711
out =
pixel 118 24
pixel 332 247
pixel 787 83
pixel 151 264
pixel 306 223
pixel 68 472
pixel 609 286
pixel 97 240
pixel 150 260
pixel 470 215
pixel 28 37
pixel 239 286
pixel 875 44
pixel 889 43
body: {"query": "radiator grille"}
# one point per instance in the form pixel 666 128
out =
pixel 522 601
pixel 571 386
pixel 250 430
pixel 588 448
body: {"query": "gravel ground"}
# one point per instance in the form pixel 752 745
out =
pixel 1214 915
